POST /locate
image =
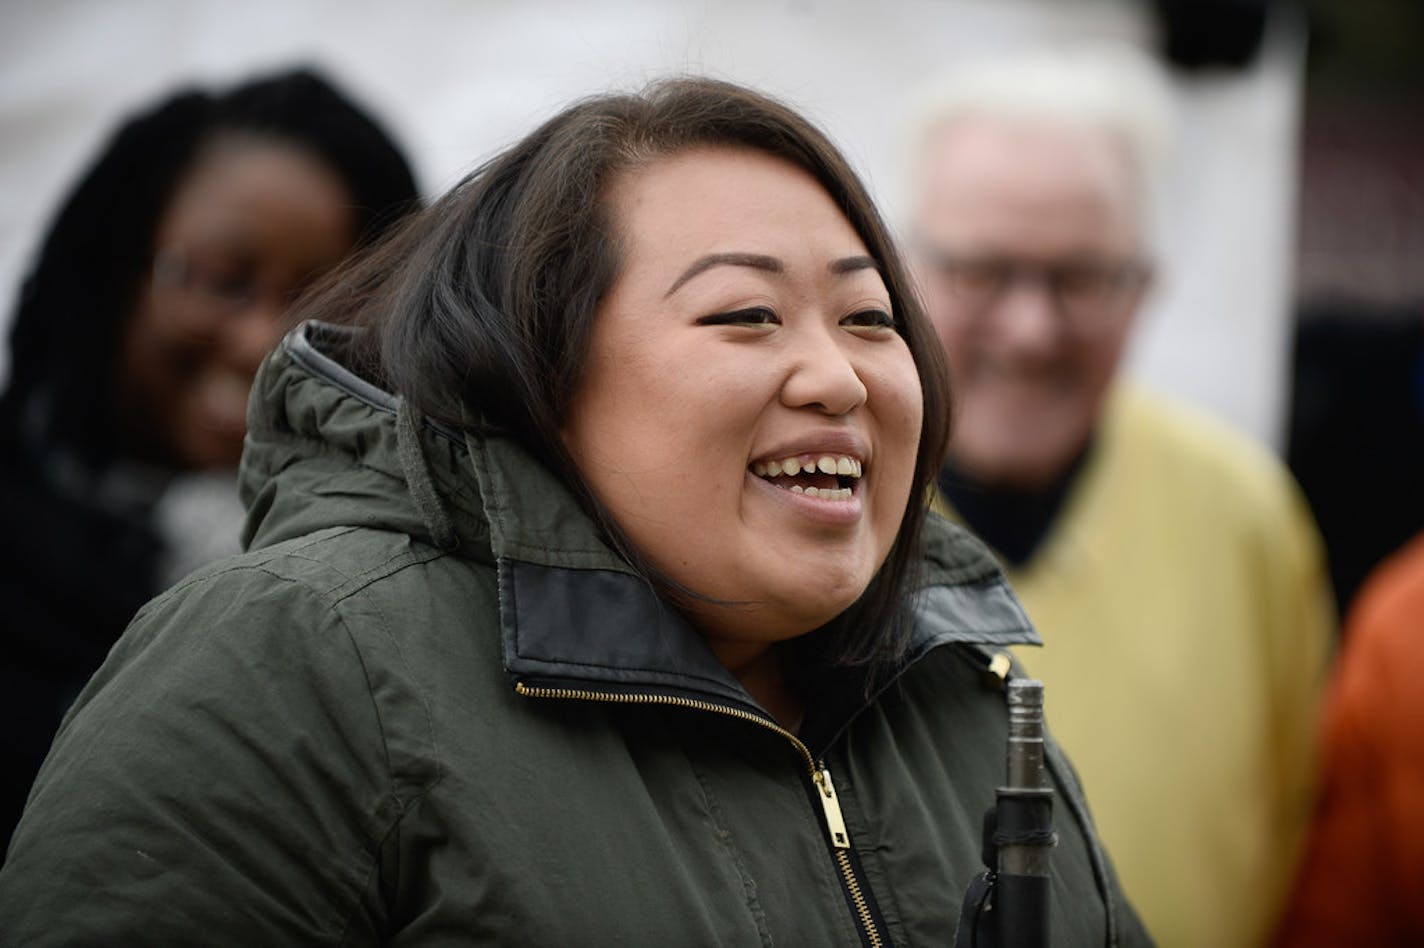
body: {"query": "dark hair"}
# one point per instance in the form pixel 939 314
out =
pixel 484 304
pixel 77 298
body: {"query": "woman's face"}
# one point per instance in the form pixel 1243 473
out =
pixel 249 225
pixel 749 415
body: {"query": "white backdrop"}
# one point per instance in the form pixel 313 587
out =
pixel 456 79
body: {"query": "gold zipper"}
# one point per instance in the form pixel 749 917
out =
pixel 862 907
pixel 820 776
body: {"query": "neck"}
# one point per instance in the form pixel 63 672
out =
pixel 759 670
pixel 1013 520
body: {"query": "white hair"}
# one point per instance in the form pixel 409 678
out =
pixel 1113 88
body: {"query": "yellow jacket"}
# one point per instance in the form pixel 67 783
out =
pixel 1186 618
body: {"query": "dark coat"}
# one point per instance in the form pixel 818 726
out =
pixel 73 571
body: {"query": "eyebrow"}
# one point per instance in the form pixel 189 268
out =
pixel 759 261
pixel 754 260
pixel 852 264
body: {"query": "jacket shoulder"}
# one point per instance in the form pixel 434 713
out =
pixel 331 563
pixel 234 764
pixel 963 596
pixel 955 556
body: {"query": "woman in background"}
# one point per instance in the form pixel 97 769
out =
pixel 161 284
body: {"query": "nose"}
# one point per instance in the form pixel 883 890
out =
pixel 249 335
pixel 822 375
pixel 1026 316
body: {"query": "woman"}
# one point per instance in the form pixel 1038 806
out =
pixel 563 643
pixel 159 287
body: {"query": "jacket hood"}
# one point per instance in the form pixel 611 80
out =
pixel 326 449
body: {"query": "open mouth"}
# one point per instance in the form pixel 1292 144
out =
pixel 826 476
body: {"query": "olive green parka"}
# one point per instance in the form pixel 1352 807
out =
pixel 431 707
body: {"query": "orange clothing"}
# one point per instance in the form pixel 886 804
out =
pixel 1362 882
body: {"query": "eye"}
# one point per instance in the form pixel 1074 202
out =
pixel 1083 281
pixel 868 321
pixel 233 289
pixel 753 316
pixel 225 283
pixel 976 278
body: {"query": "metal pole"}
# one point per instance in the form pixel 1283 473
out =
pixel 1023 828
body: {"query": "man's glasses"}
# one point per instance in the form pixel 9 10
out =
pixel 1089 295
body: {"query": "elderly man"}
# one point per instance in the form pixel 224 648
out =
pixel 1170 565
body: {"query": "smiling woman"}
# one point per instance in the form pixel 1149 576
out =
pixel 580 558
pixel 161 284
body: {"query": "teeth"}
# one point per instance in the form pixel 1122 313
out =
pixel 838 465
pixel 826 493
pixel 798 489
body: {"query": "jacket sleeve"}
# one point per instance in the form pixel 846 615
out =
pixel 222 780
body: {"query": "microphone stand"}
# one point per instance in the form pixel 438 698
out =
pixel 1007 905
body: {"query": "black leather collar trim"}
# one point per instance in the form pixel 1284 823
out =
pixel 983 613
pixel 602 627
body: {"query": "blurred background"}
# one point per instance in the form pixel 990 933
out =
pixel 1355 433
pixel 456 79
pixel 1297 184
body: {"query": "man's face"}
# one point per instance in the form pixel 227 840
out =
pixel 1029 256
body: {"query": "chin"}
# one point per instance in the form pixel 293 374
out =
pixel 203 455
pixel 1036 454
pixel 1001 468
pixel 829 603
pixel 776 621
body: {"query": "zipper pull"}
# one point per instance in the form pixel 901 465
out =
pixel 834 821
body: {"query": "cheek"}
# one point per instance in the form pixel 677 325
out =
pixel 906 426
pixel 151 348
pixel 632 416
pixel 899 411
pixel 895 396
pixel 1100 358
pixel 1087 368
pixel 659 439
